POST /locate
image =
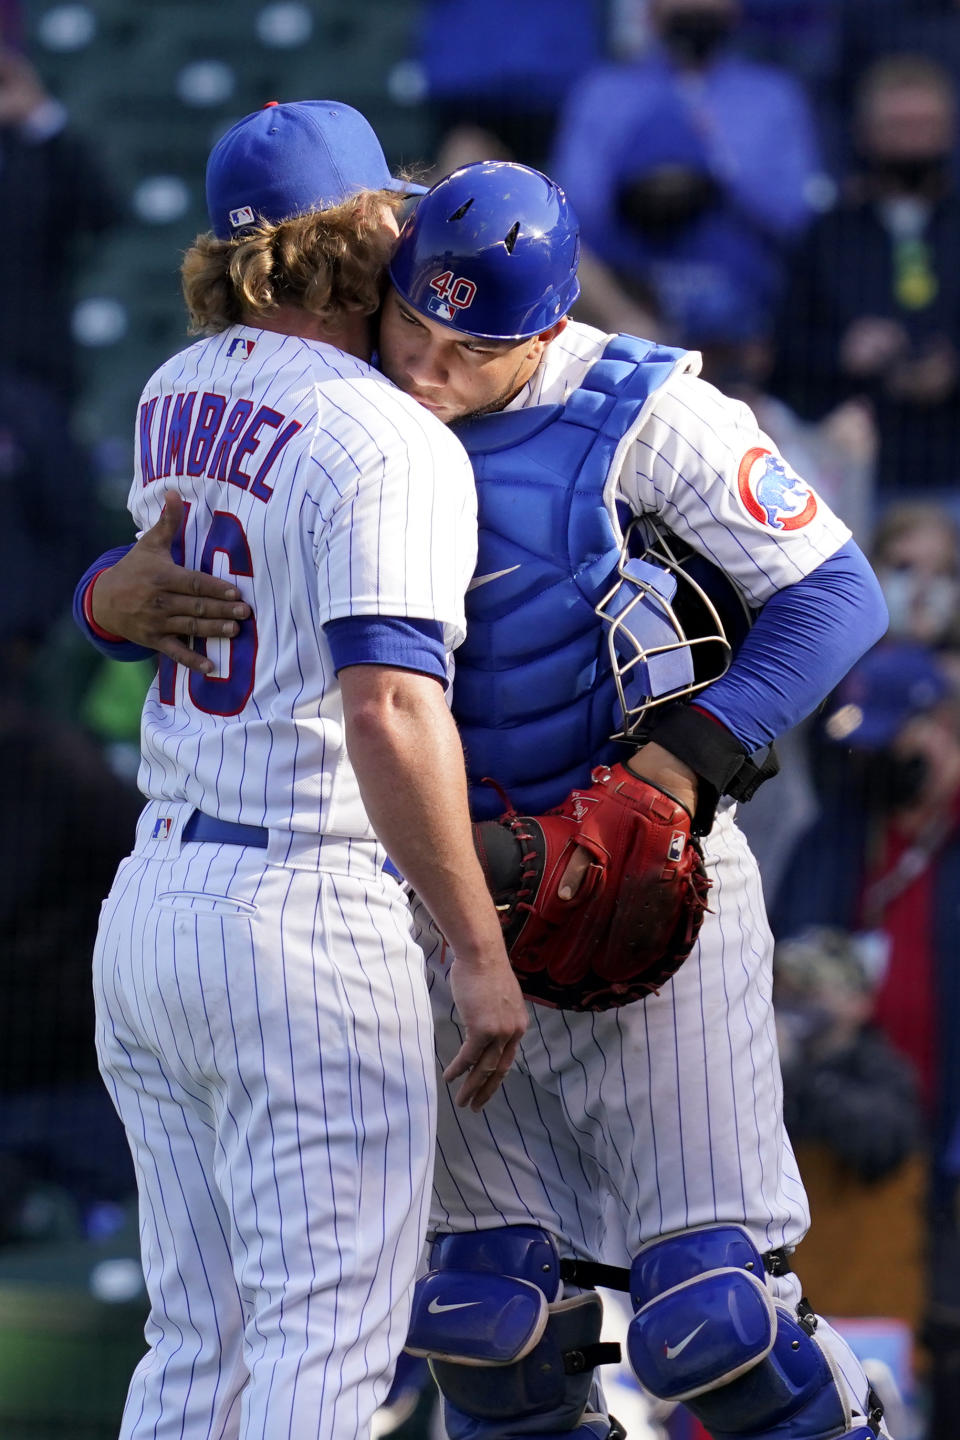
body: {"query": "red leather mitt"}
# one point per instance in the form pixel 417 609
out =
pixel 637 913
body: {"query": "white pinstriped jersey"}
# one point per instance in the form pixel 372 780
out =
pixel 262 1015
pixel 692 430
pixel 322 492
pixel 664 1115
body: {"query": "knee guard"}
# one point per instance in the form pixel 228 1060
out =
pixel 509 1354
pixel 708 1332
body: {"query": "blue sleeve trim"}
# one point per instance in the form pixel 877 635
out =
pixel 802 643
pixel 388 640
pixel 114 649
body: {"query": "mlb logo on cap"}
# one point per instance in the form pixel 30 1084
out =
pixel 453 294
pixel 441 308
pixel 243 216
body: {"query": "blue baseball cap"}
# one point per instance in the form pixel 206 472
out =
pixel 889 686
pixel 290 159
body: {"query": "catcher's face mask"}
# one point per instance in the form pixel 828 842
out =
pixel 673 623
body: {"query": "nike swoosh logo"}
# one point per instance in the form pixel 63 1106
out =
pixel 436 1308
pixel 672 1351
pixel 479 580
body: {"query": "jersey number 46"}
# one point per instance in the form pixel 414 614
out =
pixel 224 694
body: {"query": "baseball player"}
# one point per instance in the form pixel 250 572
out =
pixel 667 1110
pixel 650 1134
pixel 262 1018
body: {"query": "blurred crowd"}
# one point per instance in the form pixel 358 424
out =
pixel 775 183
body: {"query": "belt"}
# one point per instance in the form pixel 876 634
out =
pixel 202 827
pixel 224 832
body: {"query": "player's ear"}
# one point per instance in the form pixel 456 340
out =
pixel 541 341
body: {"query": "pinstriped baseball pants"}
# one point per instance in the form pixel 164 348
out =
pixel 614 1128
pixel 265 1034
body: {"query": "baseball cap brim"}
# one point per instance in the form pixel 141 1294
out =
pixel 405 187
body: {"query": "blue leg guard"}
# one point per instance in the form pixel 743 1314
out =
pixel 708 1332
pixel 510 1355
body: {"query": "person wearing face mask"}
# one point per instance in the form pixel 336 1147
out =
pixel 884 858
pixel 888 771
pixel 916 556
pixel 873 307
pixel 754 120
pixel 669 232
pixel 706 241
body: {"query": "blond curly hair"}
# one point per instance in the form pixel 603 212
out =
pixel 327 262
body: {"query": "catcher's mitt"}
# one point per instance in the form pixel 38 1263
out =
pixel 634 917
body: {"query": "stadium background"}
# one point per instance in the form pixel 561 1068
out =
pixel 148 86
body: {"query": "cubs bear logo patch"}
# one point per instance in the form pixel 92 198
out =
pixel 772 493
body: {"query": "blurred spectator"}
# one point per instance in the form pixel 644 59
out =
pixel 883 852
pixel 50 524
pixel 54 196
pixel 755 119
pixel 916 554
pixel 884 856
pixel 674 239
pixel 844 1085
pixel 691 168
pixel 874 28
pixel 69 820
pixel 874 303
pixel 803 36
pixel 852 1111
pixel 502 69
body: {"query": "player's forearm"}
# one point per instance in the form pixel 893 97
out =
pixel 108 642
pixel 405 750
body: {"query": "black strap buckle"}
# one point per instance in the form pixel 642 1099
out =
pixel 587 1357
pixel 777 1262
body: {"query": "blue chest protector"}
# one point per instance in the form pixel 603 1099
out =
pixel 534 696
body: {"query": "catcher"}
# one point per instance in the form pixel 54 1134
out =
pixel 642 1127
pixel 611 687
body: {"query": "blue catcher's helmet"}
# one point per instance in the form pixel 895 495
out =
pixel 491 250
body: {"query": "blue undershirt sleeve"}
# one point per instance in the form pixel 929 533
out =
pixel 388 640
pixel 114 649
pixel 802 643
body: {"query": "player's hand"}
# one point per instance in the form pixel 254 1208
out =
pixel 494 1014
pixel 652 763
pixel 663 769
pixel 149 599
